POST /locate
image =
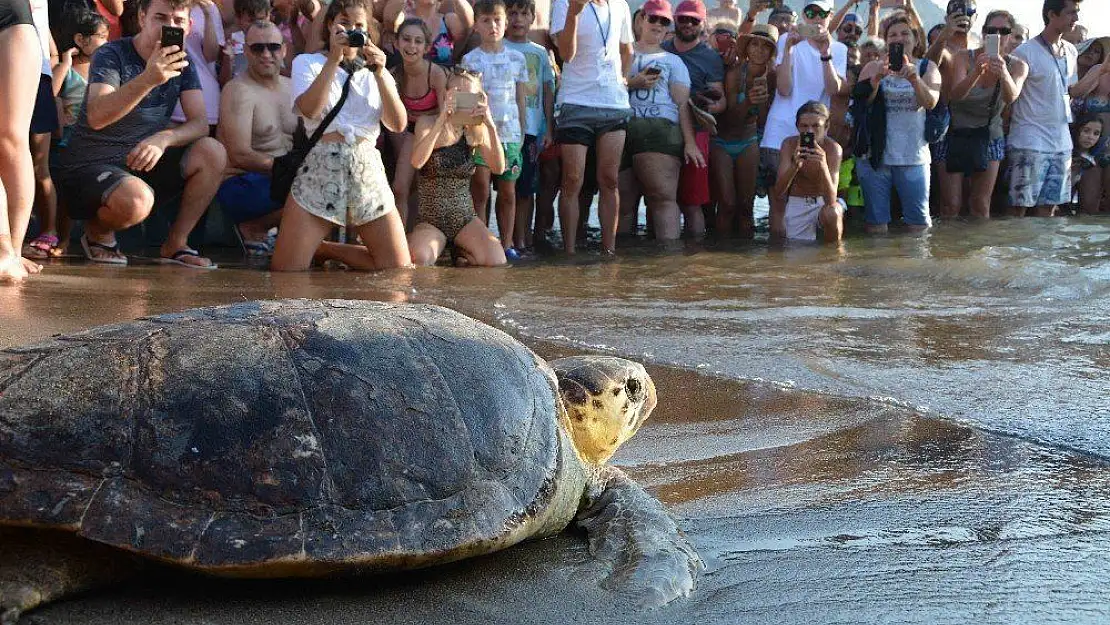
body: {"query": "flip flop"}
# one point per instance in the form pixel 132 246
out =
pixel 41 248
pixel 258 248
pixel 175 259
pixel 88 246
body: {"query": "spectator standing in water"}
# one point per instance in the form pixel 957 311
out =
pixel 594 39
pixel 1092 98
pixel 809 170
pixel 810 67
pixel 707 91
pixel 1040 146
pixel 44 123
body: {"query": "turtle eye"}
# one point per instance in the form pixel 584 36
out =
pixel 632 387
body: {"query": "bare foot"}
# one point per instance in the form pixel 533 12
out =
pixel 12 270
pixel 31 266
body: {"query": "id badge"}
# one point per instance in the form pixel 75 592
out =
pixel 607 68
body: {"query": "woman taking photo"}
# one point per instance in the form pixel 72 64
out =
pixel 444 154
pixel 342 180
pixel 422 85
pixel 661 133
pixel 983 83
pixel 734 155
pixel 897 92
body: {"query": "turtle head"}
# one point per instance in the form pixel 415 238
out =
pixel 606 398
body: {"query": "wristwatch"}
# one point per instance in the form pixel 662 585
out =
pixel 826 59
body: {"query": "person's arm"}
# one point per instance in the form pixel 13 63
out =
pixel 838 17
pixel 754 7
pixel 115 7
pixel 1090 81
pixel 236 122
pixel 719 105
pixel 873 20
pixel 828 156
pixel 394 115
pixel 106 103
pixel 490 150
pixel 462 9
pixel 938 51
pixel 59 72
pixel 965 78
pixel 915 17
pixel 310 104
pixel 626 58
pixel 680 93
pixel 927 87
pixel 146 154
pixel 213 30
pixel 873 73
pixel 457 26
pixel 566 39
pixel 1013 80
pixel 427 134
pixel 522 107
pixel 392 14
pixel 784 79
pixel 790 163
pixel 833 80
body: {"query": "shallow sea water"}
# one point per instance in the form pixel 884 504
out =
pixel 900 429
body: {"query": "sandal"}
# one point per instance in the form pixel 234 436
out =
pixel 108 254
pixel 42 247
pixel 175 259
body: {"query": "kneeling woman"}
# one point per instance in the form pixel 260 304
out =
pixel 342 181
pixel 443 152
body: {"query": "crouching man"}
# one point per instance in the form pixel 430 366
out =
pixel 124 156
pixel 256 125
pixel 809 171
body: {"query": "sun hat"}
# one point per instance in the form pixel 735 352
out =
pixel 762 32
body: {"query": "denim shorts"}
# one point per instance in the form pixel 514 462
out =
pixel 582 125
pixel 911 183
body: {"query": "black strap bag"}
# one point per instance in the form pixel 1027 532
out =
pixel 285 167
pixel 969 148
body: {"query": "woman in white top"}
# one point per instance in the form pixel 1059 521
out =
pixel 900 160
pixel 342 181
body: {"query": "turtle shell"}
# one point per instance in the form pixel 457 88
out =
pixel 274 438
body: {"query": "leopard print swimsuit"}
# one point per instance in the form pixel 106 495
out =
pixel 444 189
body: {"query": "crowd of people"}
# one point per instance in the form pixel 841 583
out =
pixel 395 119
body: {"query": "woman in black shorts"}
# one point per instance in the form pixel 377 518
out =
pixel 20 63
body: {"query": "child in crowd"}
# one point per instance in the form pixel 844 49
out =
pixel 539 120
pixel 504 75
pixel 871 50
pixel 809 173
pixel 1085 135
pixel 233 60
pixel 422 85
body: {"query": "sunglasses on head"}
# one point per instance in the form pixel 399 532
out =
pixel 997 30
pixel 686 19
pixel 659 19
pixel 259 48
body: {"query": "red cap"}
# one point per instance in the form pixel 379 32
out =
pixel 657 7
pixel 691 8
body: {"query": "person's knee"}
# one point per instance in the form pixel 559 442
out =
pixel 423 255
pixel 208 155
pixel 129 204
pixel 607 178
pixel 572 180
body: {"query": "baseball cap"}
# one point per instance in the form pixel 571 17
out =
pixel 851 17
pixel 657 7
pixel 690 8
pixel 782 10
pixel 824 5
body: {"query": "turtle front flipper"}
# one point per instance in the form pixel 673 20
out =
pixel 40 566
pixel 636 534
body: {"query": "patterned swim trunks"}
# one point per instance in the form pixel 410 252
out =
pixel 1039 178
pixel 344 183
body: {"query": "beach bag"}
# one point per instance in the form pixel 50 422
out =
pixel 939 118
pixel 285 167
pixel 969 148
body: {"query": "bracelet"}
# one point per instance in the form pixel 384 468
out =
pixel 826 59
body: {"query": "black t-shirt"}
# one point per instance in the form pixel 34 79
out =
pixel 117 63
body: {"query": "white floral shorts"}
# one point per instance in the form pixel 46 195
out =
pixel 344 183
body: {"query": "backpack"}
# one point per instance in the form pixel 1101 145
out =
pixel 937 120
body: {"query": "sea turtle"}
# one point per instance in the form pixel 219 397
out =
pixel 307 438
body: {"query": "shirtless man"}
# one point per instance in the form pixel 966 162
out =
pixel 726 11
pixel 256 124
pixel 809 171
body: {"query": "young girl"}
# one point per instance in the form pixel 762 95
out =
pixel 1085 136
pixel 71 78
pixel 342 181
pixel 422 85
pixel 443 152
pixel 450 20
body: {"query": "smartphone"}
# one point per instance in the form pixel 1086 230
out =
pixel 897 56
pixel 809 31
pixel 808 140
pixel 893 4
pixel 465 102
pixel 655 71
pixel 992 44
pixel 760 82
pixel 173 36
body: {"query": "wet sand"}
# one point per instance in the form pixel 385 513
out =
pixel 807 507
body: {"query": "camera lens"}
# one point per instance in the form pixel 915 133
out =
pixel 356 38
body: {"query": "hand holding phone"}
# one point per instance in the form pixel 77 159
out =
pixel 173 36
pixel 897 57
pixel 653 71
pixel 465 103
pixel 992 45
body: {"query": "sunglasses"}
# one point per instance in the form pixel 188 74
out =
pixel 459 70
pixel 689 21
pixel 849 28
pixel 259 48
pixel 814 13
pixel 997 30
pixel 659 19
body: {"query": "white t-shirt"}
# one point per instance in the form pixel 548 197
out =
pixel 1043 110
pixel 808 84
pixel 594 77
pixel 40 15
pixel 905 125
pixel 657 102
pixel 501 71
pixel 362 112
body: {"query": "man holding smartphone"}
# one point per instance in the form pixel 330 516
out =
pixel 124 156
pixel 811 67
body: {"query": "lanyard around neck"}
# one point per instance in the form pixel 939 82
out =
pixel 608 26
pixel 1056 62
